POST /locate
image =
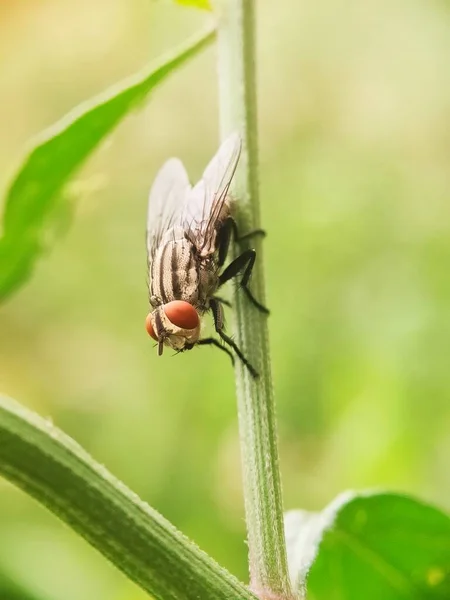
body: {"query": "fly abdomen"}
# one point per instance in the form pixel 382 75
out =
pixel 175 272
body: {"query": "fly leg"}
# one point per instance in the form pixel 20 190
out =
pixel 217 312
pixel 223 301
pixel 249 235
pixel 213 342
pixel 243 262
pixel 228 229
pixel 223 239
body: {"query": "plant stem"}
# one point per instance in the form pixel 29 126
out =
pixel 262 487
pixel 52 468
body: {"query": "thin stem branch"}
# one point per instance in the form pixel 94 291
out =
pixel 262 488
pixel 52 468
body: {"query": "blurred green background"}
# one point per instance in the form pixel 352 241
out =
pixel 354 113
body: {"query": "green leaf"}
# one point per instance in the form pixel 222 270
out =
pixel 372 546
pixel 10 590
pixel 203 4
pixel 33 197
pixel 55 470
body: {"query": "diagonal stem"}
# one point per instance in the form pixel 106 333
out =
pixel 51 467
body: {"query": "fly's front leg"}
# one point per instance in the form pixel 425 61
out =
pixel 223 301
pixel 217 312
pixel 217 344
pixel 244 262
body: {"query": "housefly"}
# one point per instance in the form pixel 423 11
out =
pixel 189 230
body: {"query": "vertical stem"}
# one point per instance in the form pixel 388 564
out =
pixel 262 487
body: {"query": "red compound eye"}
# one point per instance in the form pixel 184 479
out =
pixel 182 314
pixel 149 327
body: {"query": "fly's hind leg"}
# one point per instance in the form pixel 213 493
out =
pixel 228 229
pixel 249 235
pixel 217 312
pixel 244 262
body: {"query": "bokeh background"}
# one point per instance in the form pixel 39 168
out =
pixel 354 113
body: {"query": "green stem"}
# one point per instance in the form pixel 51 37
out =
pixel 52 468
pixel 262 487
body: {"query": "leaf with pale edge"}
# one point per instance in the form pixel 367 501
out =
pixel 372 546
pixel 32 200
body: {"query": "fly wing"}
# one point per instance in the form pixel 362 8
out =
pixel 165 203
pixel 205 202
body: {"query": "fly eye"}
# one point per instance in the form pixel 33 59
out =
pixel 149 327
pixel 182 314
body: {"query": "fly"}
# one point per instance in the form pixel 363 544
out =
pixel 189 230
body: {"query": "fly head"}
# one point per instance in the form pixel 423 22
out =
pixel 175 324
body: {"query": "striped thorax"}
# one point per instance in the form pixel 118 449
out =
pixel 175 269
pixel 178 273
